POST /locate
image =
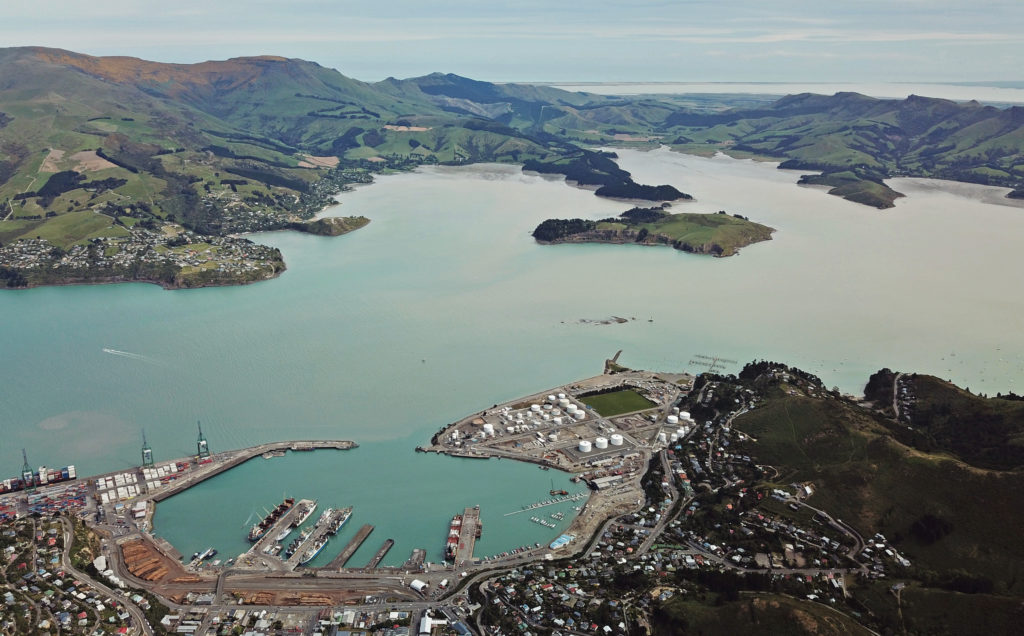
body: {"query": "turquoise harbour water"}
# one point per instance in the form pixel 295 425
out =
pixel 444 305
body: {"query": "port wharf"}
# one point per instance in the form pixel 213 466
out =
pixel 133 492
pixel 381 553
pixel 226 461
pixel 469 532
pixel 350 549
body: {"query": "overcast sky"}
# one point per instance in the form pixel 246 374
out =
pixel 552 40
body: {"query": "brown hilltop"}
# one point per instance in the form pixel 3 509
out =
pixel 224 75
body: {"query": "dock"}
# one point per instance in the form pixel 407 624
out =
pixel 226 461
pixel 377 558
pixel 285 521
pixel 339 561
pixel 320 530
pixel 550 502
pixel 415 562
pixel 468 534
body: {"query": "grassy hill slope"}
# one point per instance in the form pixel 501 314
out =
pixel 943 514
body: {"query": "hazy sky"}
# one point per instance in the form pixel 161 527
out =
pixel 552 40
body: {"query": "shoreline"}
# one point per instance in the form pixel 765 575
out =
pixel 598 241
pixel 116 280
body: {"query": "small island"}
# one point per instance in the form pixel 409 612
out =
pixel 715 234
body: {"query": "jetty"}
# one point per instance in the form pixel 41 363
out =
pixel 550 502
pixel 377 558
pixel 415 562
pixel 226 461
pixel 270 537
pixel 339 561
pixel 320 533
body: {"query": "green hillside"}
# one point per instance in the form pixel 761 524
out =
pixel 854 138
pixel 260 143
pixel 942 513
pixel 759 613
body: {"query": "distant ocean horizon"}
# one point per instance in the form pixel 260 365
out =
pixel 989 93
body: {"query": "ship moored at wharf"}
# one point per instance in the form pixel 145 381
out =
pixel 339 520
pixel 260 529
pixel 304 514
pixel 451 546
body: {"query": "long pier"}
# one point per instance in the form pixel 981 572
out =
pixel 228 460
pixel 320 531
pixel 377 558
pixel 550 502
pixel 468 533
pixel 339 561
pixel 285 521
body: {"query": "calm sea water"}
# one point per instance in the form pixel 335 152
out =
pixel 890 90
pixel 444 305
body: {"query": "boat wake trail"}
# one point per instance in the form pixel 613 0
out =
pixel 129 355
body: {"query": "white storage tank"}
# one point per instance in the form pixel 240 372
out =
pixel 572 408
pixel 510 429
pixel 682 431
pixel 675 410
pixel 561 396
pixel 546 417
pixel 684 414
pixel 673 438
pixel 662 437
pixel 584 446
pixel 616 439
pixel 563 402
pixel 488 428
pixel 601 442
pixel 558 421
pixel 673 419
pixel 552 399
pixel 552 437
pixel 579 414
pixel 535 407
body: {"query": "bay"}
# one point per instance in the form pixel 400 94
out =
pixel 444 305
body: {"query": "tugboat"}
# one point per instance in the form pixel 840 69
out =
pixel 557 493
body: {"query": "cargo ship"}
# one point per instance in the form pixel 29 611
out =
pixel 306 513
pixel 41 477
pixel 451 546
pixel 339 520
pixel 260 529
